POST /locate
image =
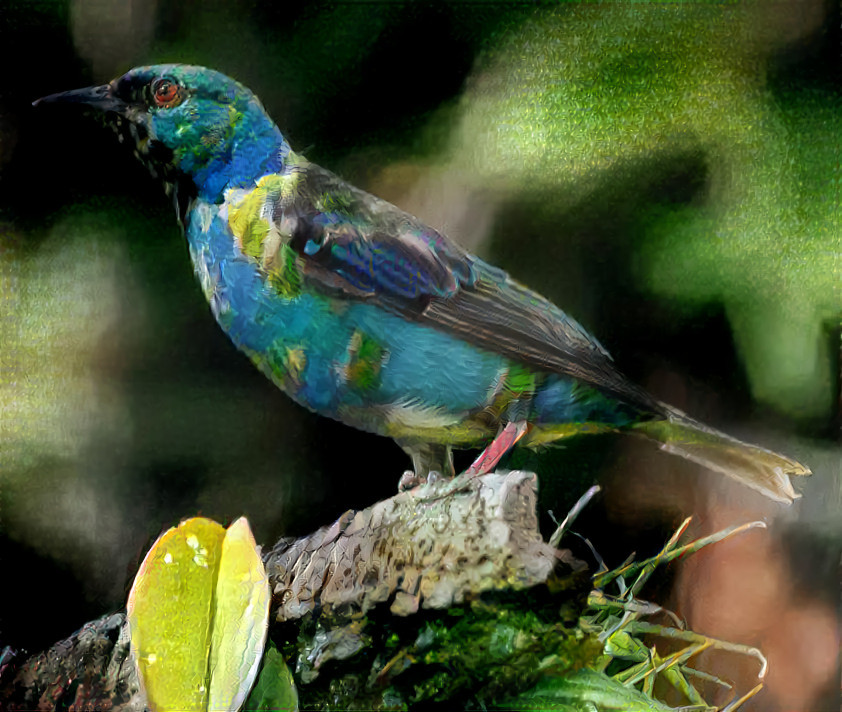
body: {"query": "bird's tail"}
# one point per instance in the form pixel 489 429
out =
pixel 758 468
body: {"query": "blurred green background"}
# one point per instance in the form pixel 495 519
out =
pixel 669 174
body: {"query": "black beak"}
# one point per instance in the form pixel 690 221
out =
pixel 101 98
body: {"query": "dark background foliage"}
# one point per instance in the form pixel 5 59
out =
pixel 667 174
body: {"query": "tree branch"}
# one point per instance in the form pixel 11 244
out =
pixel 421 551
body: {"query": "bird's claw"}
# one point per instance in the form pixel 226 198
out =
pixel 410 480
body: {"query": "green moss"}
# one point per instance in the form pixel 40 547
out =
pixel 465 657
pixel 494 650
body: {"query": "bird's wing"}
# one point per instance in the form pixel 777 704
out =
pixel 355 245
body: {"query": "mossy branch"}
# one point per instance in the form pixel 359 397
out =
pixel 444 594
pixel 412 557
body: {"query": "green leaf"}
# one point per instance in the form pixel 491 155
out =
pixel 622 645
pixel 671 552
pixel 274 690
pixel 198 612
pixel 585 691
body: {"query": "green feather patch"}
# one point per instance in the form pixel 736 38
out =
pixel 285 277
pixel 519 381
pixel 363 369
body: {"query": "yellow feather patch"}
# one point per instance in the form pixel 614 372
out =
pixel 410 419
pixel 295 362
pixel 545 434
pixel 249 213
pixel 250 217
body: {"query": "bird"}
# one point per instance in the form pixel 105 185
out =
pixel 361 312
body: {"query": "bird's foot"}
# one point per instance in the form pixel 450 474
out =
pixel 409 479
pixel 505 441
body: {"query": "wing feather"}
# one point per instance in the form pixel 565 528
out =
pixel 361 247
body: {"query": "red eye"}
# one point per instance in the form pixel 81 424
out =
pixel 166 93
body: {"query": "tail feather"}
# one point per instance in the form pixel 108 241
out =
pixel 758 468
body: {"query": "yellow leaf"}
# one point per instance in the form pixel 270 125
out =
pixel 198 612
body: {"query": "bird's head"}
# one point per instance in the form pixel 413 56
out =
pixel 188 122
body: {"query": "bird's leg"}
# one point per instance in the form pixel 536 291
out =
pixel 428 459
pixel 505 441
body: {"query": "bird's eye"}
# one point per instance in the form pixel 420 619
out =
pixel 166 93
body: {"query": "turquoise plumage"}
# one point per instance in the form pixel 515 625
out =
pixel 362 313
